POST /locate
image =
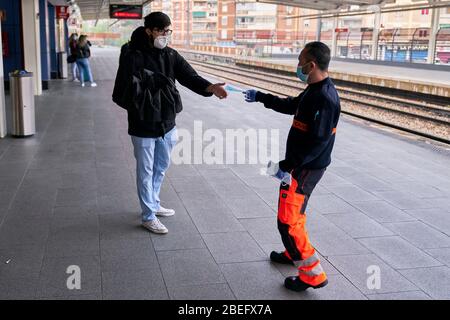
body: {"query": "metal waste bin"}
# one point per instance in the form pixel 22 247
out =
pixel 62 64
pixel 22 96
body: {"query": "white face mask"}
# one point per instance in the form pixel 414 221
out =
pixel 161 42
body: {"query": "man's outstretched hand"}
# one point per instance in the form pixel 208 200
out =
pixel 218 90
pixel 250 95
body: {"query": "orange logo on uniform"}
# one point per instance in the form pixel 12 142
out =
pixel 300 125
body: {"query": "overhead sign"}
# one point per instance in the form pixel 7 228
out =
pixel 62 12
pixel 124 11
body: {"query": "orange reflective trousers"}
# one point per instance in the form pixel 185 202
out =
pixel 292 203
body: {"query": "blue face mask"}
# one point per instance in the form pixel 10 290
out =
pixel 303 77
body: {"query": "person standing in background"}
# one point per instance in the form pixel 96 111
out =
pixel 83 53
pixel 73 41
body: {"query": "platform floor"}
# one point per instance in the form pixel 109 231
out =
pixel 67 197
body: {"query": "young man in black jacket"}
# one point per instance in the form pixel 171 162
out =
pixel 308 152
pixel 154 134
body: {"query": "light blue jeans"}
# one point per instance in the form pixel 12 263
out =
pixel 75 73
pixel 152 160
pixel 84 68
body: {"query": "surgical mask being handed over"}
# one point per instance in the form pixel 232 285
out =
pixel 273 169
pixel 161 42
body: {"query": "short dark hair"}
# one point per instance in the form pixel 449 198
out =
pixel 157 19
pixel 320 53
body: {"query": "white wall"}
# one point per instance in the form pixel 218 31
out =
pixel 31 43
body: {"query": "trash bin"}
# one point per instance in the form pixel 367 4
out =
pixel 22 96
pixel 62 64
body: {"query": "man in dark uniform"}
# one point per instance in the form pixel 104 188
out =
pixel 308 153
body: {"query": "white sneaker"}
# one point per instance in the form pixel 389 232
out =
pixel 155 226
pixel 83 85
pixel 163 212
pixel 93 84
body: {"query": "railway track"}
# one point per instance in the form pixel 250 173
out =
pixel 381 109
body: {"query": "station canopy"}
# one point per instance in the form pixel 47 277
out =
pixel 99 9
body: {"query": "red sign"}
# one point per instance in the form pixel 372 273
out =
pixel 5 43
pixel 126 15
pixel 341 30
pixel 124 11
pixel 62 12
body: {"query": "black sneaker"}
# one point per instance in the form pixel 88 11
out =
pixel 295 284
pixel 280 257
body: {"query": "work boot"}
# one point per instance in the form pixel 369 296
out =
pixel 163 212
pixel 295 284
pixel 280 257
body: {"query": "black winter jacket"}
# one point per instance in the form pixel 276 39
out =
pixel 137 57
pixel 311 137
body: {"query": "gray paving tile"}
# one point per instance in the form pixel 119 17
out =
pixel 358 225
pixel 338 288
pixel 63 247
pixel 249 207
pixel 226 190
pixel 84 227
pixel 403 200
pixel 328 239
pixel 189 267
pixel 189 184
pixel 331 179
pixel 441 254
pixel 351 193
pixel 329 204
pixel 13 232
pixel 182 235
pixel 263 230
pixel 128 255
pixel 76 197
pixel 203 292
pixel 53 279
pixel 72 212
pixel 23 288
pixel 399 253
pixel 366 181
pixel 124 226
pixel 434 281
pixel 134 285
pixel 419 190
pixel 355 268
pixel 438 218
pixel 233 247
pixel 214 220
pixel 382 211
pixel 420 235
pixel 409 295
pixel 21 261
pixel 118 204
